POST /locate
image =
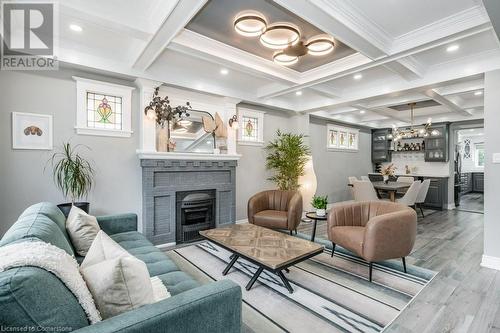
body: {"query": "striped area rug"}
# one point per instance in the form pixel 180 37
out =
pixel 330 294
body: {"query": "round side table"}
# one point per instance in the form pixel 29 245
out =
pixel 315 218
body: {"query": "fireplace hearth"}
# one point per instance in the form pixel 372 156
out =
pixel 195 211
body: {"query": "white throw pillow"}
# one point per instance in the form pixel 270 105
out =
pixel 160 292
pixel 103 248
pixel 119 285
pixel 82 229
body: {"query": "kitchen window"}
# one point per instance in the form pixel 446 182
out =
pixel 479 154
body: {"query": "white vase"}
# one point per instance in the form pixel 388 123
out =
pixel 321 212
pixel 386 178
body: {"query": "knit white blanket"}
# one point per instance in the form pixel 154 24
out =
pixel 56 261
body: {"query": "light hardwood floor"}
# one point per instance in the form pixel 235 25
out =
pixel 463 297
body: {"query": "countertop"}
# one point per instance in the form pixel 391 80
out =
pixel 414 175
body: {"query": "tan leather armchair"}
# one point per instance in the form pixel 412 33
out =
pixel 276 209
pixel 373 230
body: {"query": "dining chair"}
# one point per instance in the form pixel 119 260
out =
pixel 422 194
pixel 364 191
pixel 410 196
pixel 365 178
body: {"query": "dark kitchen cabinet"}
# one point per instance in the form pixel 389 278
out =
pixel 478 182
pixel 436 144
pixel 381 145
pixel 466 183
pixel 437 196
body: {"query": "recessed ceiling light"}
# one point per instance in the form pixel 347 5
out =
pixel 75 27
pixel 453 48
pixel 362 111
pixel 478 93
pixel 298 93
pixel 358 76
pixel 224 71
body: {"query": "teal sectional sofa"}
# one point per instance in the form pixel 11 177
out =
pixel 32 298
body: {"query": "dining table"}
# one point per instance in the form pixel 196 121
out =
pixel 391 187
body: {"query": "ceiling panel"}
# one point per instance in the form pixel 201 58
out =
pixel 215 21
pixel 468 46
pixel 369 78
pixel 397 17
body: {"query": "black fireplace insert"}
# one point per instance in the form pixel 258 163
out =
pixel 195 211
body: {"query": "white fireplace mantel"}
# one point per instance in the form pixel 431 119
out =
pixel 153 155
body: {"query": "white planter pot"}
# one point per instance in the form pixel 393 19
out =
pixel 321 212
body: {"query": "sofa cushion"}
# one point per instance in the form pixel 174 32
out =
pixel 158 263
pixel 38 226
pixel 31 296
pixel 178 282
pixel 272 219
pixel 137 245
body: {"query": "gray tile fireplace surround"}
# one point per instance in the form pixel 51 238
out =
pixel 162 179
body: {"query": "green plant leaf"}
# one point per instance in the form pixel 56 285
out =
pixel 287 157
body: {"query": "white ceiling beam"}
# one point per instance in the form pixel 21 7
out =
pixel 460 88
pixel 388 59
pixel 386 112
pixel 446 102
pixel 202 47
pixel 175 22
pixel 341 19
pixel 327 91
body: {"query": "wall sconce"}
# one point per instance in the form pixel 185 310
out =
pixel 233 122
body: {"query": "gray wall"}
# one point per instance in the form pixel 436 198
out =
pixel 118 177
pixel 22 177
pixel 491 171
pixel 333 167
pixel 251 173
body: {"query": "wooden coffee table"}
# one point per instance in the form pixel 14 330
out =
pixel 270 250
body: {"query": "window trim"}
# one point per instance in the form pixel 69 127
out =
pixel 83 86
pixel 243 112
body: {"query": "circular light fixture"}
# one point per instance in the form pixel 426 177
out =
pixel 75 27
pixel 280 35
pixel 357 76
pixel 298 93
pixel 320 45
pixel 362 112
pixel 250 24
pixel 284 59
pixel 224 71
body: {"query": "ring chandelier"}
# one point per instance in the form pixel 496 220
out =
pixel 283 37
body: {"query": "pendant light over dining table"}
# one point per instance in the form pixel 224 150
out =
pixel 284 37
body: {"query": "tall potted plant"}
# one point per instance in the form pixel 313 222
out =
pixel 287 157
pixel 73 175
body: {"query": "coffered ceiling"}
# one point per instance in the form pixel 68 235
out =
pixel 387 53
pixel 208 23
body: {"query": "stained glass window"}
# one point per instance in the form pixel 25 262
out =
pixel 342 138
pixel 250 129
pixel 353 141
pixel 104 111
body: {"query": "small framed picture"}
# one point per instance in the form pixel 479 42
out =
pixel 31 131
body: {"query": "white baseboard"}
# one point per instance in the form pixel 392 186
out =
pixel 242 221
pixel 490 262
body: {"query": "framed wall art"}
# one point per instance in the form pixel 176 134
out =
pixel 31 131
pixel 342 138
